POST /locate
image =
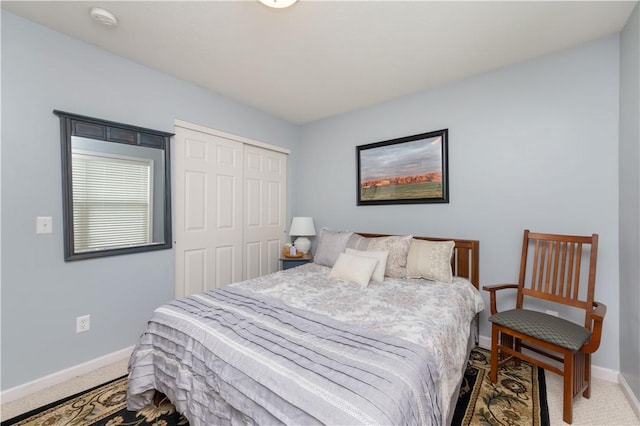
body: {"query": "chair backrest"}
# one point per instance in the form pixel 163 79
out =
pixel 556 266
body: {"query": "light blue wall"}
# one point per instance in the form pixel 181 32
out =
pixel 41 294
pixel 630 202
pixel 533 145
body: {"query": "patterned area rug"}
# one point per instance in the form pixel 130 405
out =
pixel 519 398
pixel 104 405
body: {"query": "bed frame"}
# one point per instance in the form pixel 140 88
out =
pixel 465 261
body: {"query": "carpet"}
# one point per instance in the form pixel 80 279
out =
pixel 518 398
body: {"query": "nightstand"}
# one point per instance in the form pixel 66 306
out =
pixel 292 262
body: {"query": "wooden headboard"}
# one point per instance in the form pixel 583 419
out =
pixel 466 256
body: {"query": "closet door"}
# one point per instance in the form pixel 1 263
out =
pixel 265 177
pixel 208 176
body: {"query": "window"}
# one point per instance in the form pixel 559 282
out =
pixel 116 191
pixel 112 201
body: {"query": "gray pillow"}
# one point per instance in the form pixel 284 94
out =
pixel 358 242
pixel 330 245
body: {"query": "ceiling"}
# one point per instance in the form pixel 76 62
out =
pixel 321 58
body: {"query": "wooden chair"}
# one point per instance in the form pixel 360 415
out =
pixel 554 276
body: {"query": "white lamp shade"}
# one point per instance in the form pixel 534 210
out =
pixel 302 227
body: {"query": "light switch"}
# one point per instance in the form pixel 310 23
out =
pixel 44 225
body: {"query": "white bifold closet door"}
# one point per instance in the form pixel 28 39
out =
pixel 230 209
pixel 264 210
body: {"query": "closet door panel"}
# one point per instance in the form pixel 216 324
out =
pixel 253 255
pixel 225 256
pixel 265 191
pixel 208 173
pixel 226 203
pixel 274 204
pixel 195 201
pixel 253 211
pixel 195 270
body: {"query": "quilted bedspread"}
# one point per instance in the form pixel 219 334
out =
pixel 297 348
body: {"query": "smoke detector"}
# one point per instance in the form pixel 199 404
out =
pixel 103 16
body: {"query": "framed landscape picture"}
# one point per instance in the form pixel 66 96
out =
pixel 408 170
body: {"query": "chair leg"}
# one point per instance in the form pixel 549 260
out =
pixel 587 375
pixel 506 341
pixel 518 348
pixel 495 336
pixel 567 409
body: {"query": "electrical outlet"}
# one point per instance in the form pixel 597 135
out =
pixel 83 323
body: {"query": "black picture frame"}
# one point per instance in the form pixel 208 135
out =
pixel 408 170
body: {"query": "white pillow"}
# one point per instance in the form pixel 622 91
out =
pixel 381 256
pixel 352 268
pixel 430 260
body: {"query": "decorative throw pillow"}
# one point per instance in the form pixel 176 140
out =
pixel 330 245
pixel 430 260
pixel 380 256
pixel 352 268
pixel 398 248
pixel 358 242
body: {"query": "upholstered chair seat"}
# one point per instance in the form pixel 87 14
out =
pixel 543 326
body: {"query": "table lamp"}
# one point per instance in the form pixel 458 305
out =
pixel 302 227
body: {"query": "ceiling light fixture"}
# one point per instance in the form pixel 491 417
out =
pixel 278 4
pixel 103 16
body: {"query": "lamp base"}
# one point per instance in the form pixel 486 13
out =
pixel 302 244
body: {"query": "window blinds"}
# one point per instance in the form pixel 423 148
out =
pixel 111 201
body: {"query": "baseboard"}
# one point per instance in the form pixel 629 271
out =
pixel 631 397
pixel 45 382
pixel 596 372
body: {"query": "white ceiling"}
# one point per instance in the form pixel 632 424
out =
pixel 320 58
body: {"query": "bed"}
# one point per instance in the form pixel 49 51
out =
pixel 376 330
